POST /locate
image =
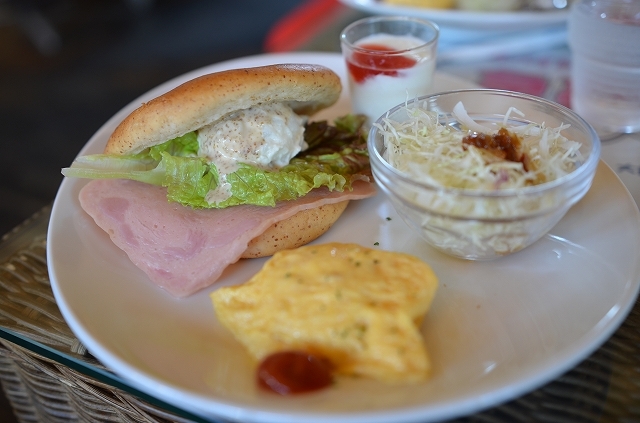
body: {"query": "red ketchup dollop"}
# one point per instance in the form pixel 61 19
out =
pixel 294 372
pixel 363 65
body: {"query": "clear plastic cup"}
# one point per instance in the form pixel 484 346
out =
pixel 604 37
pixel 389 60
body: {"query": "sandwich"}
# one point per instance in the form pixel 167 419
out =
pixel 232 160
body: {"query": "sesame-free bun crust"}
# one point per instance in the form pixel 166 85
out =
pixel 296 231
pixel 206 99
pixel 209 98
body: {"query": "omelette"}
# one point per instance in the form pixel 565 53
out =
pixel 357 307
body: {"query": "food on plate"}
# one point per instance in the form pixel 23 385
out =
pixel 181 249
pixel 238 140
pixel 381 72
pixel 355 309
pixel 483 186
pixel 294 372
pixel 478 155
pixel 230 138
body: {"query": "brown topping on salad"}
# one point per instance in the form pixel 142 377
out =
pixel 504 144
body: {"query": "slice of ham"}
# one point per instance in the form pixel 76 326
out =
pixel 182 249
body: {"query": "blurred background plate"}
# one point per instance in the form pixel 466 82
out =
pixel 474 35
pixel 469 20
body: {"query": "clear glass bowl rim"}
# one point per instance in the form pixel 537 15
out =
pixel 584 171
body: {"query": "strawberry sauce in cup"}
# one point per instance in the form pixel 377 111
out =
pixel 389 60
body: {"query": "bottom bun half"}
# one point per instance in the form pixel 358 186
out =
pixel 296 231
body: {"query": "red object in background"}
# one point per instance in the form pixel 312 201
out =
pixel 509 80
pixel 564 96
pixel 301 25
pixel 363 65
pixel 558 89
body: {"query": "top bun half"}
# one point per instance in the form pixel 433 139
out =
pixel 206 99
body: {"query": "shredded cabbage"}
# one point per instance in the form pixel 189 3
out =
pixel 428 148
pixel 432 152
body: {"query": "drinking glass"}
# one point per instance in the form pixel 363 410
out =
pixel 389 60
pixel 604 37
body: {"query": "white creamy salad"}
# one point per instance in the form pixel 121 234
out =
pixel 266 136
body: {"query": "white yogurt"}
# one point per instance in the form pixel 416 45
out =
pixel 377 93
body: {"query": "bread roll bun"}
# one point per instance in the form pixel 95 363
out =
pixel 206 99
pixel 296 231
pixel 209 98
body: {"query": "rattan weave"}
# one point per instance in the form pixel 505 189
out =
pixel 603 388
pixel 38 388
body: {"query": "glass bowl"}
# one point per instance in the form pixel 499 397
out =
pixel 484 223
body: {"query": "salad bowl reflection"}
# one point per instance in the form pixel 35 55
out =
pixel 481 174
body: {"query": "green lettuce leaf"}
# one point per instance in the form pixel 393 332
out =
pixel 337 157
pixel 184 146
pixel 146 166
pixel 188 179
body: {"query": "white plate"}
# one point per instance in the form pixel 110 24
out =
pixel 469 20
pixel 496 330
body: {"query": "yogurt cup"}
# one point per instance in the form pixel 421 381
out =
pixel 389 60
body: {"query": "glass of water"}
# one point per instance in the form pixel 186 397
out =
pixel 604 37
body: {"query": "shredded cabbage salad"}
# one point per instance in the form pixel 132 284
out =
pixel 429 148
pixel 432 152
